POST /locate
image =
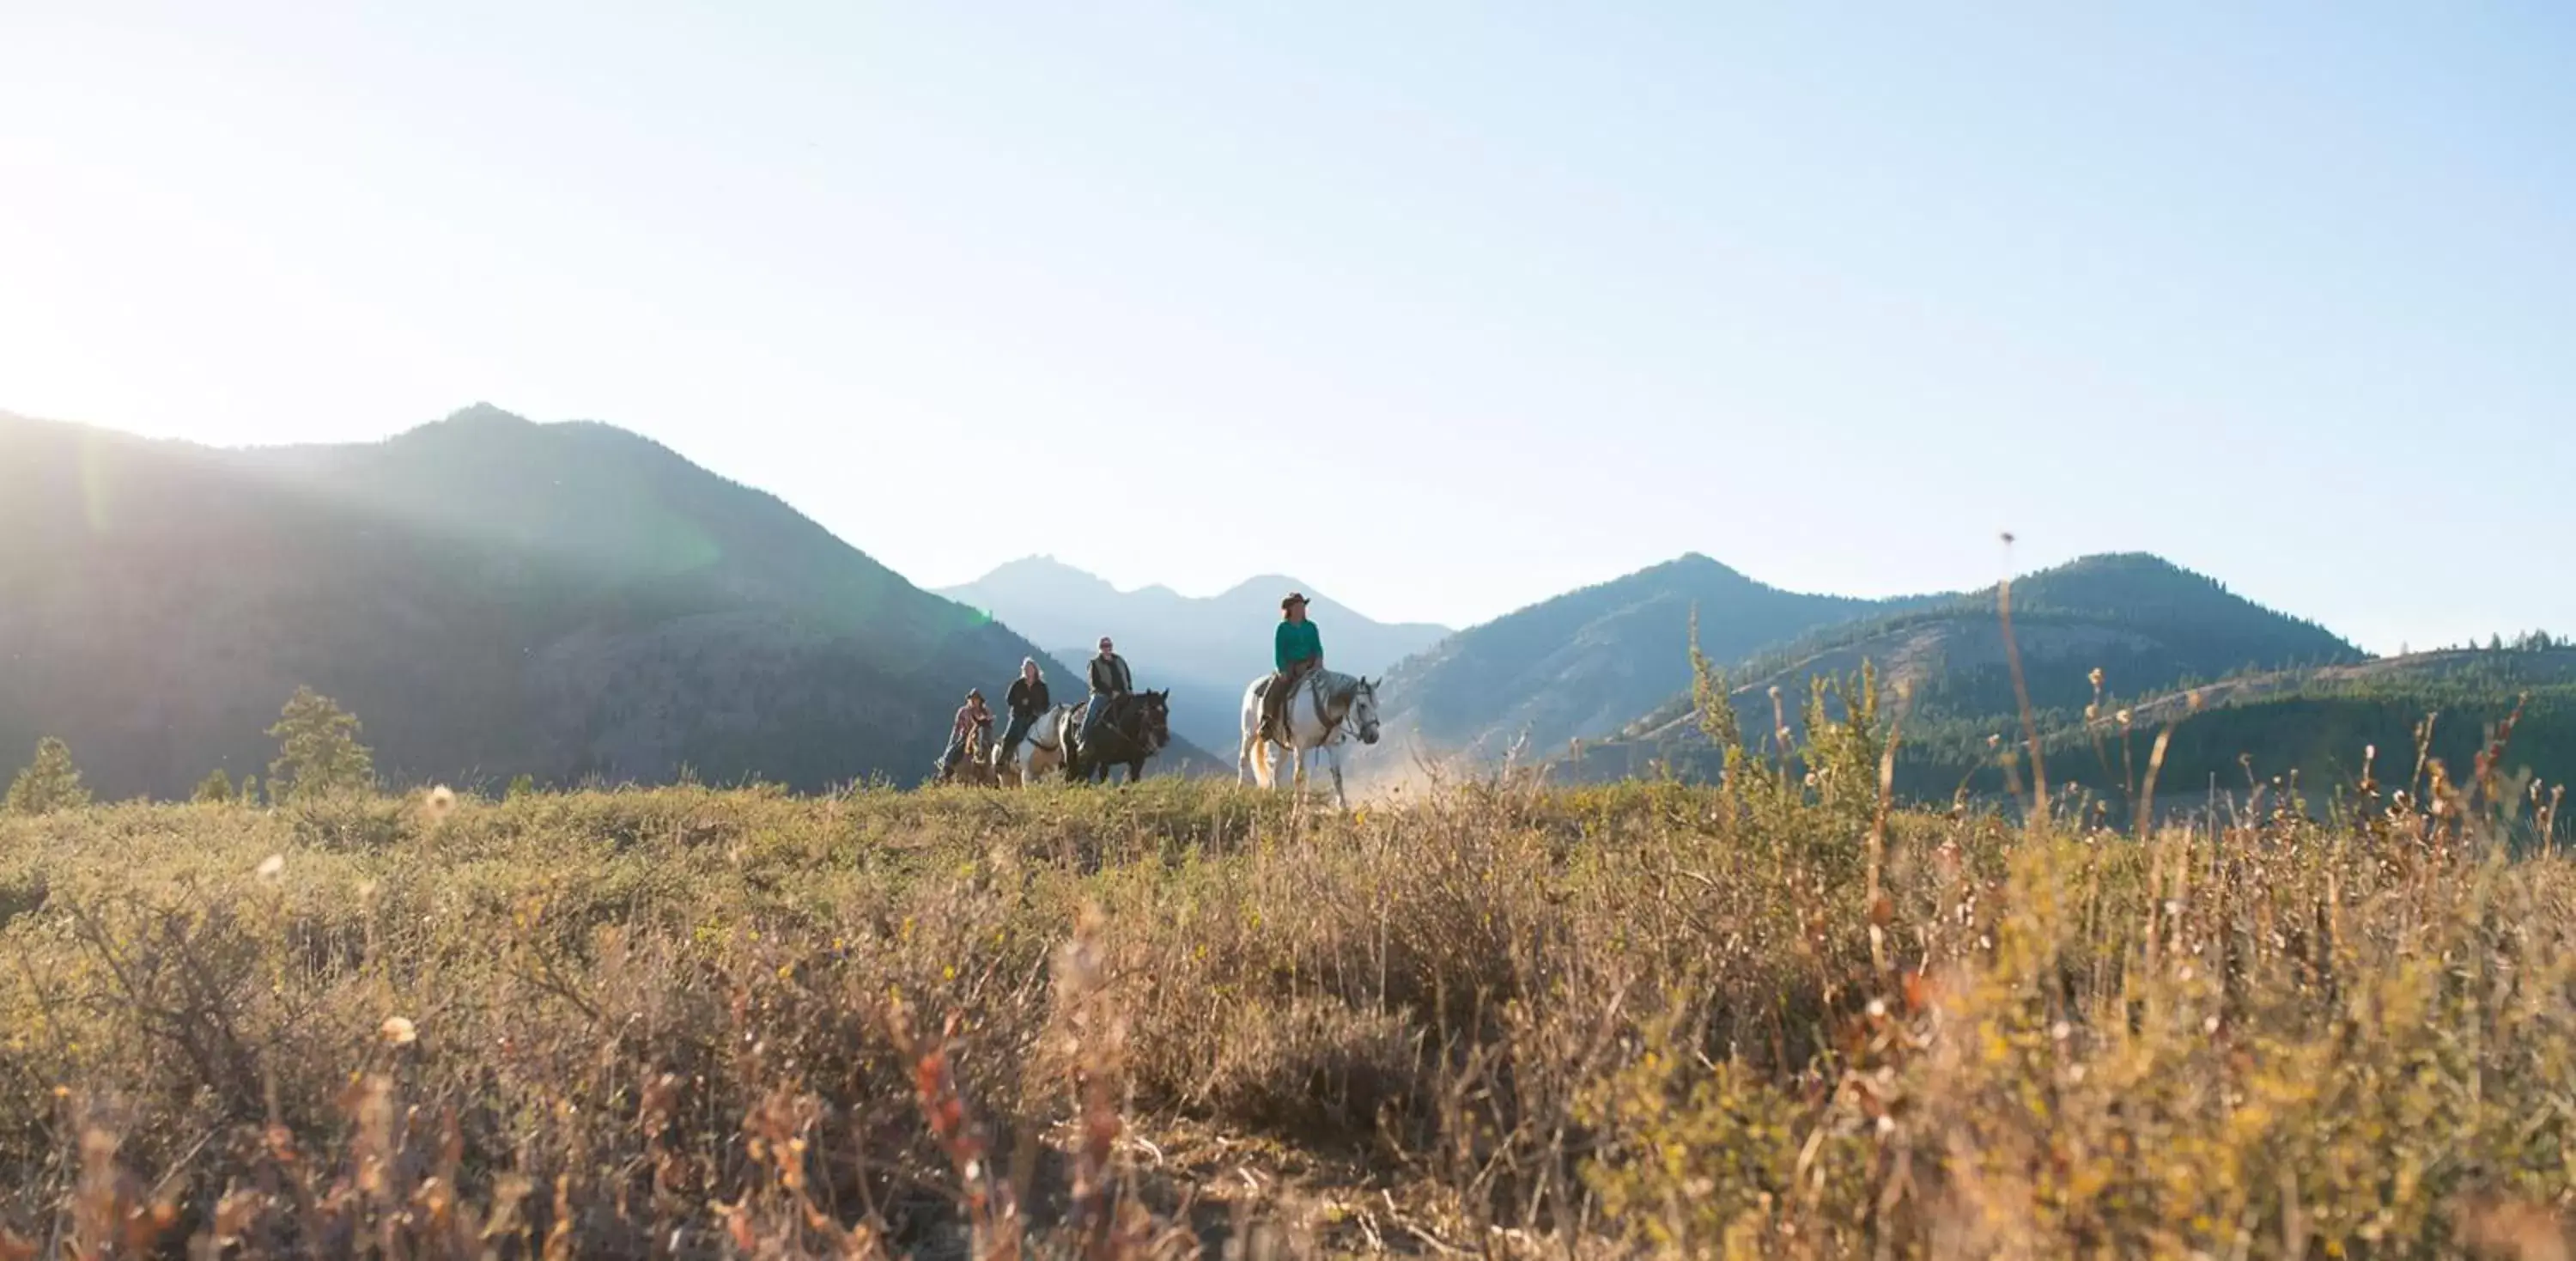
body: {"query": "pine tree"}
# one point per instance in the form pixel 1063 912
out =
pixel 318 751
pixel 215 789
pixel 49 783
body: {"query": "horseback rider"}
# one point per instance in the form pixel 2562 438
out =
pixel 1026 700
pixel 1297 650
pixel 972 719
pixel 1109 680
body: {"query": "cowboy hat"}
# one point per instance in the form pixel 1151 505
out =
pixel 1294 598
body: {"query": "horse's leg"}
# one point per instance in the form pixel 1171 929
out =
pixel 1333 759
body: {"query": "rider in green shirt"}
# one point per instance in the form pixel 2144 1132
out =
pixel 1296 652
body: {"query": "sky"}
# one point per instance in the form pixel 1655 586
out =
pixel 1443 308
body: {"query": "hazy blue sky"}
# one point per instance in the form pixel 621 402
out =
pixel 1443 307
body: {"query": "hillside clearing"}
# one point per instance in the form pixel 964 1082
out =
pixel 1641 1018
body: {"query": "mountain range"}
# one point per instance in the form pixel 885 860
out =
pixel 1612 660
pixel 490 597
pixel 2107 632
pixel 494 597
pixel 2141 621
pixel 1206 649
pixel 1586 662
pixel 2115 650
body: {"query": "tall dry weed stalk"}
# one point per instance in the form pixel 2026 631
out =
pixel 1775 1016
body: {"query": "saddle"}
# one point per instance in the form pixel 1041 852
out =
pixel 1107 723
pixel 971 756
pixel 1274 710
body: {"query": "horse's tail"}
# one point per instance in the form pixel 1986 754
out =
pixel 1256 749
pixel 1067 729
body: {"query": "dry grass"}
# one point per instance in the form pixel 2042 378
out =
pixel 1149 1021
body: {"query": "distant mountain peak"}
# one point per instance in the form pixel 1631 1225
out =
pixel 1039 573
pixel 487 432
pixel 482 413
pixel 1702 562
pixel 1044 575
pixel 1688 571
pixel 464 427
pixel 1041 563
pixel 1268 586
pixel 2135 562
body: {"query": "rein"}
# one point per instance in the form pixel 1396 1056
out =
pixel 1127 723
pixel 1332 723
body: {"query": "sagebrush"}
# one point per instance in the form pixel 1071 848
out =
pixel 1767 1019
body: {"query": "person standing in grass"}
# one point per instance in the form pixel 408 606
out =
pixel 1297 650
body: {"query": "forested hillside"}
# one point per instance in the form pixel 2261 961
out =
pixel 1583 663
pixel 490 596
pixel 2105 634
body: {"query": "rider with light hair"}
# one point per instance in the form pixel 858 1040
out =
pixel 1026 700
pixel 1297 650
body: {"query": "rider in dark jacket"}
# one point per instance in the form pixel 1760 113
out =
pixel 1109 680
pixel 1026 700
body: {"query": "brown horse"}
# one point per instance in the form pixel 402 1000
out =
pixel 972 767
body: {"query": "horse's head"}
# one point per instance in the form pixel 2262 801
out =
pixel 1363 711
pixel 1154 719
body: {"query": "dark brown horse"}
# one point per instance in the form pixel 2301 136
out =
pixel 1136 726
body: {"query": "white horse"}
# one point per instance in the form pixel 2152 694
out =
pixel 1323 712
pixel 1041 751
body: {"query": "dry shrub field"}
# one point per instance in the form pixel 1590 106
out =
pixel 1181 1019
